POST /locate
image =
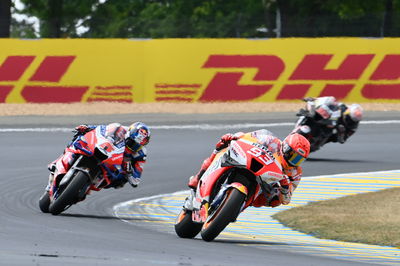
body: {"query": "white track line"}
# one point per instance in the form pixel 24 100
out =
pixel 194 126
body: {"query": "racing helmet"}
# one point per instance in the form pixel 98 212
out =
pixel 138 135
pixel 295 149
pixel 353 114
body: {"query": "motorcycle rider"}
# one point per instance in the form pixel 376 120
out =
pixel 348 121
pixel 340 120
pixel 292 151
pixel 136 137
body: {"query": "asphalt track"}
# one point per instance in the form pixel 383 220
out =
pixel 257 224
pixel 90 234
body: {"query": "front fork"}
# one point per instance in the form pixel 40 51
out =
pixel 56 181
pixel 201 211
pixel 221 194
pixel 61 182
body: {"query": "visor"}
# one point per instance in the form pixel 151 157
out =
pixel 142 137
pixel 295 159
pixel 292 157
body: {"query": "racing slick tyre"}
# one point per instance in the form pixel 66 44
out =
pixel 226 212
pixel 70 194
pixel 44 202
pixel 185 227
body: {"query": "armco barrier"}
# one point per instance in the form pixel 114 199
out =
pixel 191 70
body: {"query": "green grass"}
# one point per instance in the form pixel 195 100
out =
pixel 370 218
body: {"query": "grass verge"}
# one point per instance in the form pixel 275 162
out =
pixel 370 218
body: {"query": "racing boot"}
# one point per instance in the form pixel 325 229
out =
pixel 188 204
pixel 52 168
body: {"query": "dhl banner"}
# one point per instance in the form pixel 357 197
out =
pixel 198 70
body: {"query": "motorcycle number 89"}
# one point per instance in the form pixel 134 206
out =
pixel 260 154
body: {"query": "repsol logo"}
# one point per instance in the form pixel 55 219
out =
pixel 382 83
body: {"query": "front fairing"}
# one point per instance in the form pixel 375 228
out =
pixel 245 153
pixel 257 158
pixel 108 151
pixel 113 145
pixel 210 176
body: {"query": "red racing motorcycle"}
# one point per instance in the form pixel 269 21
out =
pixel 235 177
pixel 95 157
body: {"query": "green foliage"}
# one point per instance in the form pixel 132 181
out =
pixel 218 18
pixel 22 29
pixel 213 18
pixel 58 18
pixel 353 9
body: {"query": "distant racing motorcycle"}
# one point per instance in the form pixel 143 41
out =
pixel 96 156
pixel 318 123
pixel 228 186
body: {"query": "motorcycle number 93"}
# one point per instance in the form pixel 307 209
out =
pixel 261 155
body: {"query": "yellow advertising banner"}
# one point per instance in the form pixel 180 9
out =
pixel 199 70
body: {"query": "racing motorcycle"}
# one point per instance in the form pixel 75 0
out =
pixel 317 124
pixel 97 156
pixel 235 177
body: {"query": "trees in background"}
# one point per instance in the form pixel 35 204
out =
pixel 59 18
pixel 204 19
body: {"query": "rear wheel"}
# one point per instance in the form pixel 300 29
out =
pixel 226 212
pixel 70 194
pixel 44 202
pixel 185 227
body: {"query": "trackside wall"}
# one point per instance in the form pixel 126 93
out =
pixel 198 70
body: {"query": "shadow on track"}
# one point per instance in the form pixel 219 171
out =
pixel 105 217
pixel 248 242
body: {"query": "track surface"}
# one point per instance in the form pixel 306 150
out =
pixel 257 228
pixel 89 234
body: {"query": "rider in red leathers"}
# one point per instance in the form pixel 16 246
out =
pixel 292 151
pixel 135 137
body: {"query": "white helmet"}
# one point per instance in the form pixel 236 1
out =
pixel 354 112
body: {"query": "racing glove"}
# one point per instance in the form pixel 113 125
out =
pixel 286 190
pixel 82 129
pixel 131 176
pixel 224 141
pixel 134 181
pixel 284 184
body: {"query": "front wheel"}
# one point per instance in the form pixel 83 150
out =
pixel 185 227
pixel 226 212
pixel 70 194
pixel 44 202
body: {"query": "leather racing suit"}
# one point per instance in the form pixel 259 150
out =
pixel 281 193
pixel 131 168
